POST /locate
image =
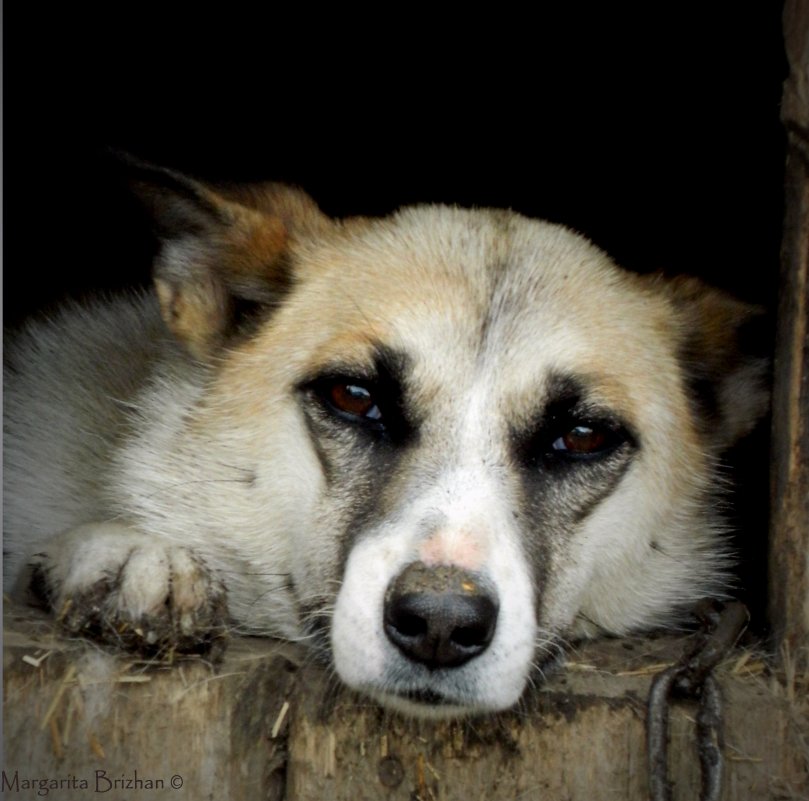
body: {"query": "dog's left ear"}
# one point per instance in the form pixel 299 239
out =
pixel 223 249
pixel 724 347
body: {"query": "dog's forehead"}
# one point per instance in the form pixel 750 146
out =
pixel 468 292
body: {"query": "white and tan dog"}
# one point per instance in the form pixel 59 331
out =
pixel 434 446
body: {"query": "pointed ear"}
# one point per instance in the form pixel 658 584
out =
pixel 725 346
pixel 222 249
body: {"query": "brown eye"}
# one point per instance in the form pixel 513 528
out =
pixel 582 441
pixel 354 400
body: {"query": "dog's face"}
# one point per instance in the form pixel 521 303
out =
pixel 485 434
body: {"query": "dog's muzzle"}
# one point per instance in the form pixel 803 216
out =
pixel 441 616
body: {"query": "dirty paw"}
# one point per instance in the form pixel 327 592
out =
pixel 150 598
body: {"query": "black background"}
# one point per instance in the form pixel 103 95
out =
pixel 655 131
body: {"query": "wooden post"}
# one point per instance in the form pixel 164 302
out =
pixel 789 536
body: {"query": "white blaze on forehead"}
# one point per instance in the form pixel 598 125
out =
pixel 470 497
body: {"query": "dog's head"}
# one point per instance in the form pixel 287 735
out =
pixel 475 435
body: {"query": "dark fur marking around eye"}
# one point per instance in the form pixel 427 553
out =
pixel 370 400
pixel 360 458
pixel 570 430
pixel 559 490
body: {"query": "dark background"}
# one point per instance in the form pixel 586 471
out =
pixel 654 132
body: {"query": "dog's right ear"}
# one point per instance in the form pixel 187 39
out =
pixel 222 249
pixel 723 344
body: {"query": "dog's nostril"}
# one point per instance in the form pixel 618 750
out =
pixel 469 636
pixel 404 620
pixel 441 616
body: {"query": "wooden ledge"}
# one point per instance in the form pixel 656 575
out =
pixel 266 724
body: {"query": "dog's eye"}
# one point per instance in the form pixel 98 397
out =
pixel 585 440
pixel 354 400
pixel 581 440
pixel 366 404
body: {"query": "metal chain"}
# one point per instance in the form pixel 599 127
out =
pixel 722 625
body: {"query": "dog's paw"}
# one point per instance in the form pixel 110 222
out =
pixel 118 586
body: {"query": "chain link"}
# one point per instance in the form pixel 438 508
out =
pixel 722 625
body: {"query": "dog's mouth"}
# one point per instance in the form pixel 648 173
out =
pixel 427 697
pixel 429 702
pixel 424 703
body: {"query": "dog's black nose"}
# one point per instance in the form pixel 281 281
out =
pixel 440 616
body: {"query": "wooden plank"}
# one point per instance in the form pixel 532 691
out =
pixel 789 536
pixel 267 725
pixel 74 713
pixel 582 738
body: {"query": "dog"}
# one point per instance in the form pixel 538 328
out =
pixel 435 446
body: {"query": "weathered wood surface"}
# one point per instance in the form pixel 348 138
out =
pixel 265 725
pixel 789 536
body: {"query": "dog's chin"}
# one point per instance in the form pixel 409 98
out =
pixel 418 697
pixel 427 704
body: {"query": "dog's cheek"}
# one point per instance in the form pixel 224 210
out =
pixel 362 482
pixel 355 483
pixel 357 637
pixel 555 510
